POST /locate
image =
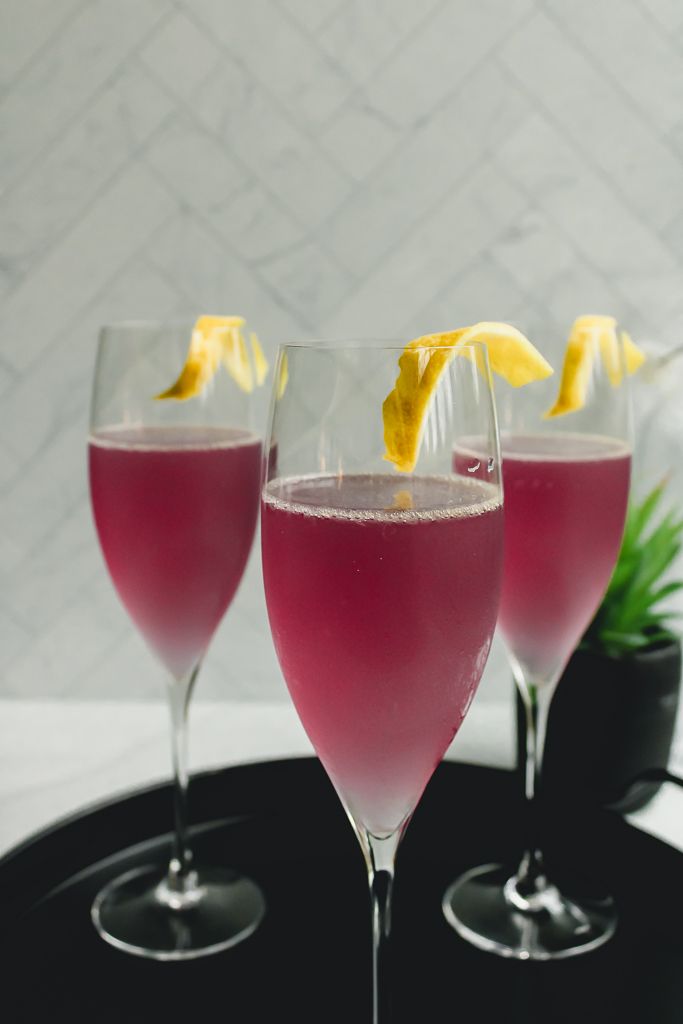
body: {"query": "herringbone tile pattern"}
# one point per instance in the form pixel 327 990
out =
pixel 324 167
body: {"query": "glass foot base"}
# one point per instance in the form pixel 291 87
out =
pixel 477 906
pixel 135 913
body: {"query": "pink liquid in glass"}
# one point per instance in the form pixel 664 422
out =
pixel 175 511
pixel 382 620
pixel 565 505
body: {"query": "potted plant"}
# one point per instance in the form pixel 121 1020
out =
pixel 612 718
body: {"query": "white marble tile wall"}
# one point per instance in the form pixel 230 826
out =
pixel 323 166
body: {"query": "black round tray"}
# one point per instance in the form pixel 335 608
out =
pixel 310 960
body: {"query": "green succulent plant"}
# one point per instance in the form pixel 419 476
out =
pixel 630 617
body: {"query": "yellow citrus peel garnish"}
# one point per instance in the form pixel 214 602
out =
pixel 423 361
pixel 216 340
pixel 590 336
pixel 283 376
pixel 633 356
pixel 260 361
pixel 403 500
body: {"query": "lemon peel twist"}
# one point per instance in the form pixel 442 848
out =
pixel 421 364
pixel 216 340
pixel 592 336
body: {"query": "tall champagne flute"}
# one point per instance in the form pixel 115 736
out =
pixel 174 489
pixel 566 485
pixel 382 588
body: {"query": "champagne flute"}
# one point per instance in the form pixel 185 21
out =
pixel 174 489
pixel 566 484
pixel 382 588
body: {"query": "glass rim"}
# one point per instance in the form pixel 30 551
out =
pixel 375 344
pixel 350 344
pixel 144 324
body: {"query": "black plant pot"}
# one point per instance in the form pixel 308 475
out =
pixel 611 720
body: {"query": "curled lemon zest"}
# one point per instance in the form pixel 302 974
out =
pixel 403 500
pixel 421 364
pixel 216 340
pixel 282 377
pixel 236 359
pixel 633 356
pixel 593 336
pixel 261 366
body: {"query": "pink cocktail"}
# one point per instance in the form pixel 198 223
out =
pixel 174 492
pixel 382 571
pixel 566 485
pixel 565 502
pixel 382 619
pixel 175 510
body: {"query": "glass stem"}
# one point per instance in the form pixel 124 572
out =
pixel 179 888
pixel 380 857
pixel 530 879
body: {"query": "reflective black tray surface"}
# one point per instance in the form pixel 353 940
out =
pixel 282 824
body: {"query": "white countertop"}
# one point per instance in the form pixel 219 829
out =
pixel 57 757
